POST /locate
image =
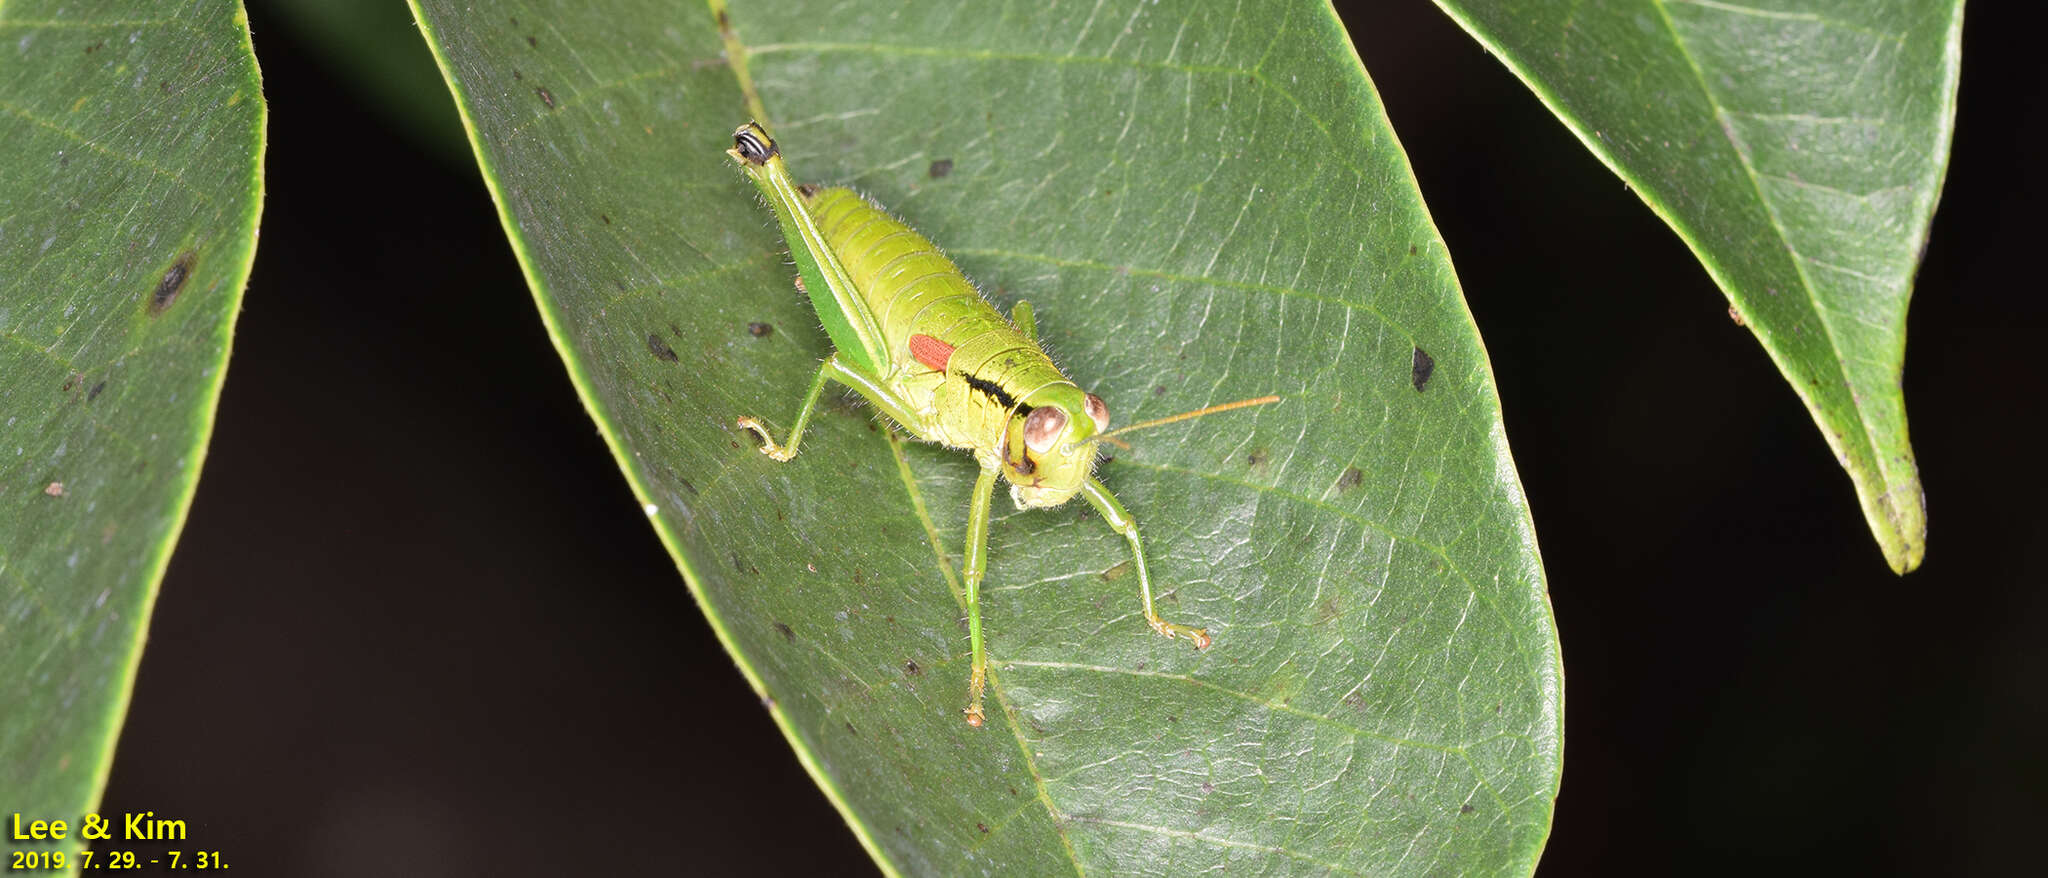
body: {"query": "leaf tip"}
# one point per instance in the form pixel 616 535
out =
pixel 1898 518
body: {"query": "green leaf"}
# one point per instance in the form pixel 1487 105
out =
pixel 1798 147
pixel 1202 207
pixel 129 192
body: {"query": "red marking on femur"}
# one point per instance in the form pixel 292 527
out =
pixel 932 352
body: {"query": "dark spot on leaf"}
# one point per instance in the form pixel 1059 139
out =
pixel 1354 701
pixel 1256 458
pixel 851 730
pixel 1118 572
pixel 723 21
pixel 516 74
pixel 1350 479
pixel 1172 719
pixel 688 487
pixel 660 348
pixel 94 393
pixel 760 330
pixel 1420 367
pixel 983 827
pixel 741 565
pixel 807 189
pixel 1465 809
pixel 1013 791
pixel 784 630
pixel 607 219
pixel 545 97
pixel 95 47
pixel 515 22
pixel 858 577
pixel 1208 788
pixel 70 381
pixel 941 168
pixel 1159 390
pixel 1411 249
pixel 531 42
pixel 172 283
pixel 911 668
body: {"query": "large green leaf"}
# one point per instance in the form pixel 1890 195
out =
pixel 1204 203
pixel 1798 147
pixel 129 191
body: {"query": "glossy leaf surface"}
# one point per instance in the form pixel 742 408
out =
pixel 1204 203
pixel 129 191
pixel 1798 147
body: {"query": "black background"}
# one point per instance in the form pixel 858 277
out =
pixel 416 623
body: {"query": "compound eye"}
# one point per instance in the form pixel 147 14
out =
pixel 1098 411
pixel 1043 427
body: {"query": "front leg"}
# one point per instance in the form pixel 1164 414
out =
pixel 1120 521
pixel 976 558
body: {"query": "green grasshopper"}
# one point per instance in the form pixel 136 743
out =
pixel 916 339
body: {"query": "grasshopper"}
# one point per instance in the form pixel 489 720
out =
pixel 914 337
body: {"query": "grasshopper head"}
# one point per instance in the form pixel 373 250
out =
pixel 1050 448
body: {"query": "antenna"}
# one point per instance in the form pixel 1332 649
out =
pixel 1110 436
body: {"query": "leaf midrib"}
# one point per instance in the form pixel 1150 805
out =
pixel 1868 440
